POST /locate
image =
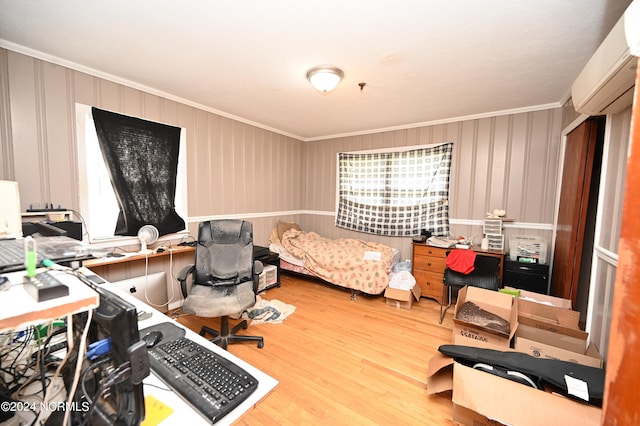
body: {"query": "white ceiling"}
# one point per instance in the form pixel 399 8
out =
pixel 422 61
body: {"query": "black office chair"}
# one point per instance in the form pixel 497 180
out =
pixel 484 275
pixel 224 278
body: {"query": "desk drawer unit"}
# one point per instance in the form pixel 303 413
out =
pixel 428 269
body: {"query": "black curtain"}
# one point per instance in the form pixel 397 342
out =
pixel 142 160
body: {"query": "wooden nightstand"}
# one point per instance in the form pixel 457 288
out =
pixel 428 269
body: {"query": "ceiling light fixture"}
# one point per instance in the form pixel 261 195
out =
pixel 325 78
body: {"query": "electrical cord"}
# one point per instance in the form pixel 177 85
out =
pixel 146 287
pixel 84 224
pixel 28 367
pixel 117 376
pixel 87 371
pixel 44 352
pixel 18 368
pixel 78 368
pixel 81 350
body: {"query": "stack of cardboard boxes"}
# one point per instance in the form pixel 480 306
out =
pixel 541 326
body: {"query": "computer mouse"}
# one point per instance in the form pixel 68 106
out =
pixel 152 338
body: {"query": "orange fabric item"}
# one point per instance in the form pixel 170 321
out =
pixel 461 260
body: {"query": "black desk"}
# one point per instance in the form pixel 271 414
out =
pixel 526 276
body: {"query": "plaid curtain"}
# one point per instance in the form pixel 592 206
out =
pixel 395 193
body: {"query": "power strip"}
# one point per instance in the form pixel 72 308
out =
pixel 45 286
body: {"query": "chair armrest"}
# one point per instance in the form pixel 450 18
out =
pixel 258 267
pixel 182 278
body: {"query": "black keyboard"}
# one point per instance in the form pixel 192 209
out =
pixel 212 384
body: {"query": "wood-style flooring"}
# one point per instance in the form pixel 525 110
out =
pixel 344 362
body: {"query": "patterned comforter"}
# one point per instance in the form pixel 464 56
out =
pixel 350 263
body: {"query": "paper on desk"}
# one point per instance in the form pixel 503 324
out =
pixel 372 255
pixel 155 411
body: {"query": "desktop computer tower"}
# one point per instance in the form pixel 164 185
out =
pixel 526 276
pixel 110 385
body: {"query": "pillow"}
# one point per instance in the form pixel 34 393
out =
pixel 285 226
pixel 273 237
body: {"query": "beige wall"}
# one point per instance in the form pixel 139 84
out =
pixel 508 161
pixel 235 169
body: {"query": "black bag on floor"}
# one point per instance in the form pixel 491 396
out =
pixel 572 380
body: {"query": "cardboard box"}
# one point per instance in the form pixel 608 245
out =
pixel 547 317
pixel 464 416
pixel 481 398
pixel 512 403
pixel 558 302
pixel 549 321
pixel 591 357
pixel 546 312
pixel 402 299
pixel 500 304
pixel 573 340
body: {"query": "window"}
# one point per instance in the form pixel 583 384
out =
pixel 98 203
pixel 395 193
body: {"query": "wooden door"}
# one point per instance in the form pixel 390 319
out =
pixel 574 201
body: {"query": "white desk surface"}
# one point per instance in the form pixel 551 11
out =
pixel 183 413
pixel 19 309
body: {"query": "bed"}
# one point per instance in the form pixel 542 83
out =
pixel 361 266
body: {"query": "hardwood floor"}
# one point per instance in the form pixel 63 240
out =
pixel 344 362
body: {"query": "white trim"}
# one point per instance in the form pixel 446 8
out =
pixel 575 123
pixel 600 253
pixel 119 80
pixel 512 225
pixel 198 219
pixel 82 113
pixel 120 241
pixel 441 121
pixel 470 222
pixel 129 83
pixel 607 256
pixel 394 149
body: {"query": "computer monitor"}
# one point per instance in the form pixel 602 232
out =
pixel 10 215
pixel 111 383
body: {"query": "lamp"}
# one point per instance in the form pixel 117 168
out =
pixel 325 78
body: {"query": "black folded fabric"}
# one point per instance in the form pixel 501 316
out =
pixel 546 373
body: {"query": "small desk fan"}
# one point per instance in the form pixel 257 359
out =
pixel 148 234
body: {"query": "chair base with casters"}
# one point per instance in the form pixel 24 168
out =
pixel 225 336
pixel 484 275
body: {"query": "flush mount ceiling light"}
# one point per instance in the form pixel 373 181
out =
pixel 324 79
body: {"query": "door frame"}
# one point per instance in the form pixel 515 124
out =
pixel 599 253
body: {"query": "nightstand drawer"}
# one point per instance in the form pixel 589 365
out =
pixel 429 263
pixel 426 250
pixel 430 283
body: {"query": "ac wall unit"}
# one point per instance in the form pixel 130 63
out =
pixel 605 85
